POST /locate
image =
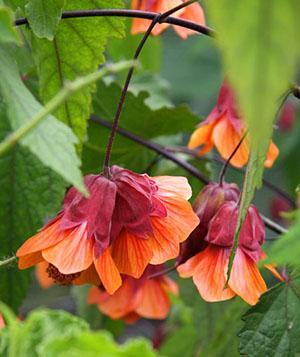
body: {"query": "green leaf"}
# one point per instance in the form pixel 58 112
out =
pixel 44 17
pixel 51 142
pixel 76 50
pixel 260 64
pixel 30 193
pixel 8 32
pixel 286 250
pixel 272 327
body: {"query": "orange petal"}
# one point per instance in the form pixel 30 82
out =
pixel 131 254
pixel 42 276
pixel 131 318
pixel 187 269
pixel 29 260
pixel 226 139
pixel 45 238
pixel 245 279
pixel 108 272
pixel 88 276
pixel 193 13
pixel 169 285
pixel 202 136
pixel 273 270
pixel 272 154
pixel 116 306
pixel 73 254
pixel 170 186
pixel 209 276
pixel 154 302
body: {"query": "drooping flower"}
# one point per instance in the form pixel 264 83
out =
pixel 144 297
pixel 287 117
pixel 224 129
pixel 192 12
pixel 209 266
pixel 129 221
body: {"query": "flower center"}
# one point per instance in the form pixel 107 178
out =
pixel 58 277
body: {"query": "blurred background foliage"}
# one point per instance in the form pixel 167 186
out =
pixel 174 89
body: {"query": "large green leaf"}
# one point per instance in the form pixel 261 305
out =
pixel 52 142
pixel 272 327
pixel 30 193
pixel 260 50
pixel 76 50
pixel 8 33
pixel 44 16
pixel 286 250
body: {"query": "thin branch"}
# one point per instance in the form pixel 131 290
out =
pixel 172 157
pixel 68 89
pixel 129 13
pixel 7 261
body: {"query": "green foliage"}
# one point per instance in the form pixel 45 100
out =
pixel 281 251
pixel 29 194
pixel 76 50
pixel 51 139
pixel 272 327
pixel 49 333
pixel 8 33
pixel 260 64
pixel 44 17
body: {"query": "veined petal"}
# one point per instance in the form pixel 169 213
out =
pixel 202 136
pixel 245 279
pixel 209 276
pixel 170 186
pixel 153 301
pixel 107 271
pixel 131 254
pixel 45 238
pixel 187 269
pixel 169 285
pixel 88 276
pixel 73 254
pixel 27 261
pixel 226 139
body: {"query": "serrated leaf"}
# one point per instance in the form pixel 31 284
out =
pixel 44 16
pixel 52 142
pixel 8 32
pixel 260 61
pixel 272 327
pixel 76 50
pixel 30 193
pixel 286 250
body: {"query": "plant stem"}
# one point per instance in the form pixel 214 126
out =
pixel 68 89
pixel 7 261
pixel 157 19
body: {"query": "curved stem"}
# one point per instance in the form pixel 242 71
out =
pixel 163 272
pixel 147 15
pixel 7 261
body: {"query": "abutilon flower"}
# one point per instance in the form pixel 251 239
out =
pixel 144 297
pixel 129 221
pixel 193 12
pixel 224 129
pixel 208 265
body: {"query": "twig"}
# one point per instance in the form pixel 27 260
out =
pixel 7 261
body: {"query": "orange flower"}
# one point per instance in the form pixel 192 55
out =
pixel 192 12
pixel 224 129
pixel 2 323
pixel 144 297
pixel 209 267
pixel 129 221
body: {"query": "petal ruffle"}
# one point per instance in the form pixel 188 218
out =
pixel 202 136
pixel 131 254
pixel 170 186
pixel 246 280
pixel 27 261
pixel 73 254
